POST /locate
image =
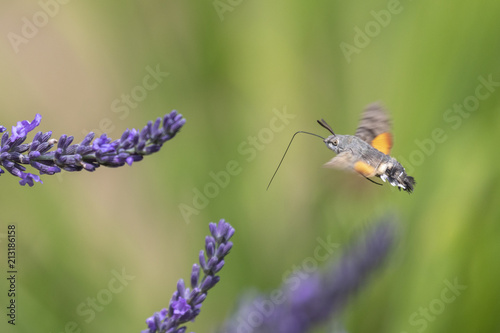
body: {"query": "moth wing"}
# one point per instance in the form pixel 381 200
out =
pixel 375 128
pixel 344 160
pixel 383 143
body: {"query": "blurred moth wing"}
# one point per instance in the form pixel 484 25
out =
pixel 375 128
pixel 344 160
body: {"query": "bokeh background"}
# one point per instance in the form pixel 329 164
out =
pixel 231 66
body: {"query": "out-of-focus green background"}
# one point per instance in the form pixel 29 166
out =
pixel 231 69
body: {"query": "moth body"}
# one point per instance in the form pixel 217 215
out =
pixel 367 152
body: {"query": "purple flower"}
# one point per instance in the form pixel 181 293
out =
pixel 313 297
pixel 155 320
pixel 24 127
pixel 28 178
pixel 87 155
pixel 185 304
pixel 180 308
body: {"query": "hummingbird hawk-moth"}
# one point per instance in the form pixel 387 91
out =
pixel 367 151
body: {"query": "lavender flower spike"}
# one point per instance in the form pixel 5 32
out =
pixel 317 296
pixel 131 147
pixel 185 304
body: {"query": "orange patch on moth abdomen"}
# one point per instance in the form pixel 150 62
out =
pixel 364 168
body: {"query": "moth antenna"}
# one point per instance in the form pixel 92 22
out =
pixel 287 151
pixel 323 123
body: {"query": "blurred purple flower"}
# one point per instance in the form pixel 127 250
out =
pixel 185 304
pixel 131 147
pixel 314 297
